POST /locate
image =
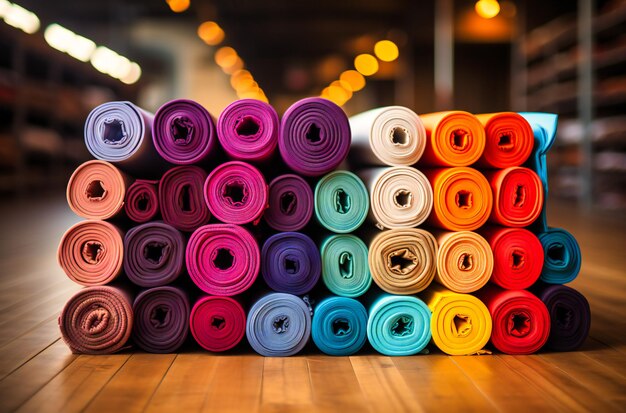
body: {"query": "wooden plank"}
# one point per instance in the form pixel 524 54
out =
pixel 286 385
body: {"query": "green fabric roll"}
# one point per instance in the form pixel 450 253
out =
pixel 341 201
pixel 345 270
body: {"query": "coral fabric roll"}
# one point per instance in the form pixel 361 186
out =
pixel 454 138
pixel 398 325
pixel 464 261
pixel 290 263
pixel 400 196
pixel 180 198
pixel 341 202
pixel 97 320
pixel 461 323
pixel 91 252
pixel 392 135
pixel 517 196
pixel 345 270
pixel 183 132
pixel 314 136
pixel 403 261
pixel 161 319
pixel 278 325
pixel 142 200
pixel 217 323
pixel 463 198
pixel 509 140
pixel 96 190
pixel 222 259
pixel 521 322
pixel 339 326
pixel 248 130
pixel 562 256
pixel 570 316
pixel 290 203
pixel 517 257
pixel 154 254
pixel 236 193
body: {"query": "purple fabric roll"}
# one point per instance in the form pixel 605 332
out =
pixel 248 130
pixel 180 198
pixel 183 132
pixel 290 263
pixel 314 136
pixel 290 203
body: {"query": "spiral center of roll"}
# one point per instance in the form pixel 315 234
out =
pixel 341 327
pixel 461 325
pixel 96 321
pixel 343 201
pixel 184 199
pixel 291 265
pixel 345 265
pixel 288 203
pixel 160 316
pixel 92 252
pixel 223 259
pixel 95 190
pixel 154 251
pixel 313 133
pixel 247 126
pixel 519 196
pixel 218 322
pixel 402 261
pixel 402 326
pixel 518 258
pixel 459 140
pixel 142 203
pixel 466 262
pixel 280 324
pixel 505 141
pixel 114 131
pixel 519 324
pixel 556 252
pixel 403 198
pixel 236 193
pixel 564 316
pixel 464 199
pixel 400 136
pixel 181 129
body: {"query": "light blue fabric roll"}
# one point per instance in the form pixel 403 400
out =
pixel 341 201
pixel 339 326
pixel 562 256
pixel 345 269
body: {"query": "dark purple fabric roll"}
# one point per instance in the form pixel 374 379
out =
pixel 314 136
pixel 181 198
pixel 183 132
pixel 290 263
pixel 290 203
pixel 161 319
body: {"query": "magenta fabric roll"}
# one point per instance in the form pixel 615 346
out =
pixel 223 259
pixel 290 203
pixel 248 130
pixel 180 198
pixel 217 323
pixel 142 201
pixel 314 136
pixel 183 132
pixel 236 193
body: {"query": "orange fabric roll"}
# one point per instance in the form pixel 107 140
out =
pixel 462 198
pixel 454 138
pixel 96 190
pixel 517 196
pixel 509 140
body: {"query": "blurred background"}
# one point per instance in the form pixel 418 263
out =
pixel 59 59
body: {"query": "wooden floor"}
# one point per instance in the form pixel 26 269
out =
pixel 39 374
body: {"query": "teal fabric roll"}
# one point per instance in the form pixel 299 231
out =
pixel 339 326
pixel 562 257
pixel 341 201
pixel 398 325
pixel 345 270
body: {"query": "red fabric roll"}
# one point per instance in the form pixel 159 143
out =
pixel 142 202
pixel 217 323
pixel 517 196
pixel 181 198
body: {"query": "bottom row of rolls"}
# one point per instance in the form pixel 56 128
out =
pixel 106 319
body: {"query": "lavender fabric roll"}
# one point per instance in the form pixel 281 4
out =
pixel 183 132
pixel 290 204
pixel 180 198
pixel 248 130
pixel 290 263
pixel 161 319
pixel 314 136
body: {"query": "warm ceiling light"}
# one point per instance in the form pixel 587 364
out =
pixel 366 64
pixel 19 17
pixel 354 79
pixel 178 6
pixel 325 94
pixel 487 8
pixel 133 74
pixel 226 56
pixel 234 67
pixel 345 86
pixel 386 50
pixel 211 33
pixel 338 94
pixel 239 76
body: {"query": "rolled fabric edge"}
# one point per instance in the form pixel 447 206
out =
pixel 509 140
pixel 518 196
pixel 351 201
pixel 142 201
pixel 290 203
pixel 562 256
pixel 180 185
pixel 345 265
pixel 225 324
pixel 339 326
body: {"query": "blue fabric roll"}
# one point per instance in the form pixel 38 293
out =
pixel 562 257
pixel 278 325
pixel 339 326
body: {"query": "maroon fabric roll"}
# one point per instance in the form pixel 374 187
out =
pixel 142 201
pixel 180 198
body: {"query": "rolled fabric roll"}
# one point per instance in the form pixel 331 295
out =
pixel 392 135
pixel 400 196
pixel 509 140
pixel 398 325
pixel 570 316
pixel 345 269
pixel 463 198
pixel 517 257
pixel 142 200
pixel 341 201
pixel 96 190
pixel 562 256
pixel 290 263
pixel 183 132
pixel 517 196
pixel 521 322
pixel 154 254
pixel 223 259
pixel 290 205
pixel 339 326
pixel 402 261
pixel 236 193
pixel 181 200
pixel 161 319
pixel 217 323
pixel 91 252
pixel 97 320
pixel 464 261
pixel 248 130
pixel 454 138
pixel 461 323
pixel 314 136
pixel 278 325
